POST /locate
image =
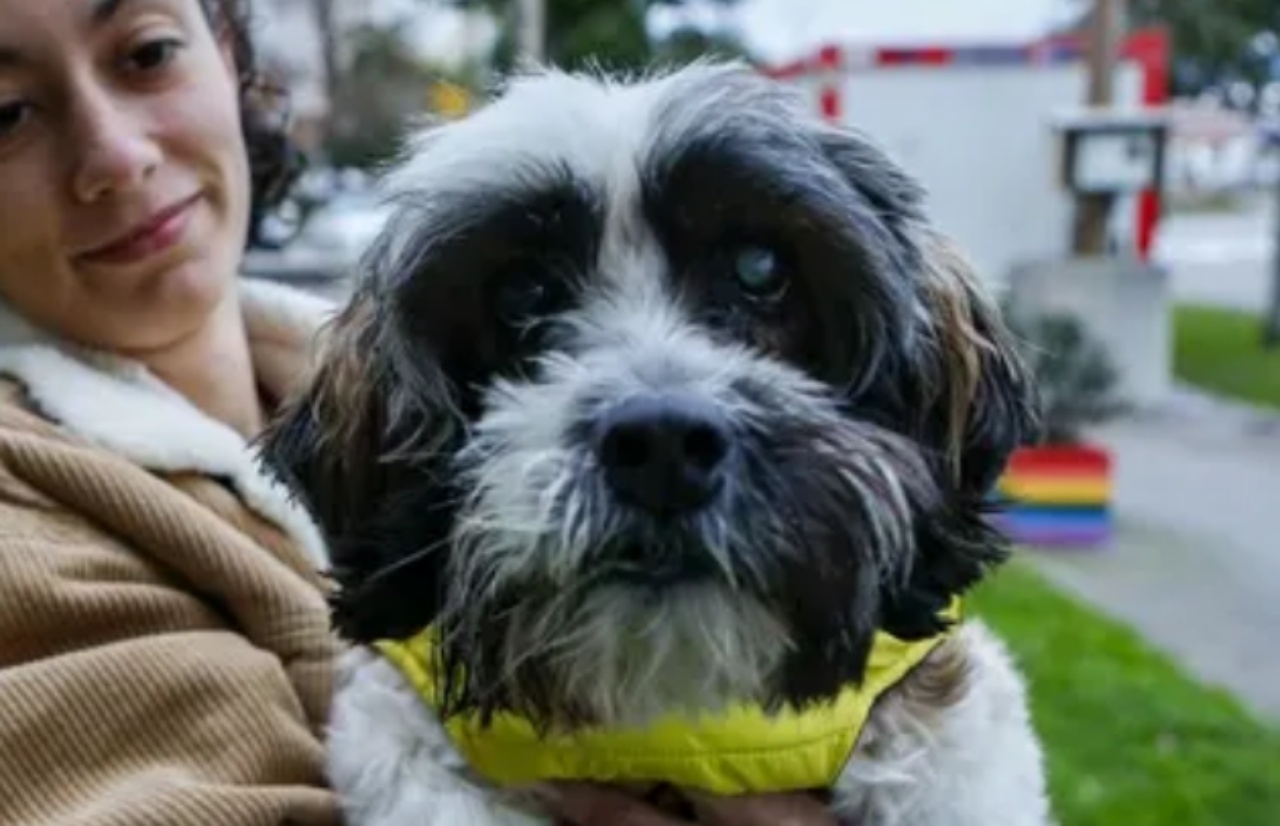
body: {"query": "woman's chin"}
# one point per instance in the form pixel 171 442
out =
pixel 153 310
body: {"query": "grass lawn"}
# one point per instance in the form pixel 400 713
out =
pixel 1131 741
pixel 1221 352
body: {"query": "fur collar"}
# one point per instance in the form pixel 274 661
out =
pixel 117 404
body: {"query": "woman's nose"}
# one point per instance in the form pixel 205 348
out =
pixel 115 152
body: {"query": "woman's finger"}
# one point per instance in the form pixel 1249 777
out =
pixel 587 804
pixel 762 810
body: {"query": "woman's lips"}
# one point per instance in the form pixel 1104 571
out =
pixel 157 234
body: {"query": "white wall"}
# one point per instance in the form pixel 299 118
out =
pixel 980 140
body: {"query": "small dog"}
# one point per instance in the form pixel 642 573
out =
pixel 660 401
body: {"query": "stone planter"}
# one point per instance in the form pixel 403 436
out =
pixel 1057 496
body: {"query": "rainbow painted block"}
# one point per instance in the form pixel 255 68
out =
pixel 1056 496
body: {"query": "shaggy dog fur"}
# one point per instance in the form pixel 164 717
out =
pixel 660 394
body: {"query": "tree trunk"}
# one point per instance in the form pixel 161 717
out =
pixel 1271 322
pixel 327 27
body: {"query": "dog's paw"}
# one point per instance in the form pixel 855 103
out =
pixel 392 764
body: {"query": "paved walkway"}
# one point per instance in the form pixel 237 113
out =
pixel 1224 259
pixel 1196 564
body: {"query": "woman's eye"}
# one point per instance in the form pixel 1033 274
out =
pixel 13 116
pixel 759 273
pixel 154 54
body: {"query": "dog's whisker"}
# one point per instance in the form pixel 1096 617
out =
pixel 404 562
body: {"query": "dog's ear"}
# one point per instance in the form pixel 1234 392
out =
pixel 356 445
pixel 975 386
pixel 970 399
pixel 956 385
pixel 975 403
pixel 326 440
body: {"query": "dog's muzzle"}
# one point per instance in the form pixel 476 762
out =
pixel 665 454
pixel 665 459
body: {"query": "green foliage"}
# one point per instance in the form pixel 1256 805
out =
pixel 688 44
pixel 384 86
pixel 1220 350
pixel 1130 739
pixel 382 82
pixel 1214 34
pixel 1074 373
pixel 608 34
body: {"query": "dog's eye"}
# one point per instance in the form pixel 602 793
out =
pixel 759 273
pixel 525 293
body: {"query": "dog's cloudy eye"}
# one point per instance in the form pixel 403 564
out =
pixel 759 273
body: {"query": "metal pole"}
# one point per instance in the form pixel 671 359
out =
pixel 531 27
pixel 1271 323
pixel 1103 36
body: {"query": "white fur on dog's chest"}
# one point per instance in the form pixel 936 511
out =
pixel 973 764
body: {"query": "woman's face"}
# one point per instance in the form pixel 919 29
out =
pixel 124 181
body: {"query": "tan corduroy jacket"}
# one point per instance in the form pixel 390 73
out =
pixel 164 648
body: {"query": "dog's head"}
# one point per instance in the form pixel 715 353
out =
pixel 654 394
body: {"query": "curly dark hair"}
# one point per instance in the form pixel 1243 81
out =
pixel 275 162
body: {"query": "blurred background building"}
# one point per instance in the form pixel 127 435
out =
pixel 1225 74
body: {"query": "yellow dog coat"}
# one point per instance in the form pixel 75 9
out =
pixel 743 750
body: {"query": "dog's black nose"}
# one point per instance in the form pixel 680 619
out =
pixel 663 453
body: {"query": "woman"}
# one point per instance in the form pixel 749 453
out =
pixel 164 647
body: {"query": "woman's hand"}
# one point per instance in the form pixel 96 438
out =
pixel 586 804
